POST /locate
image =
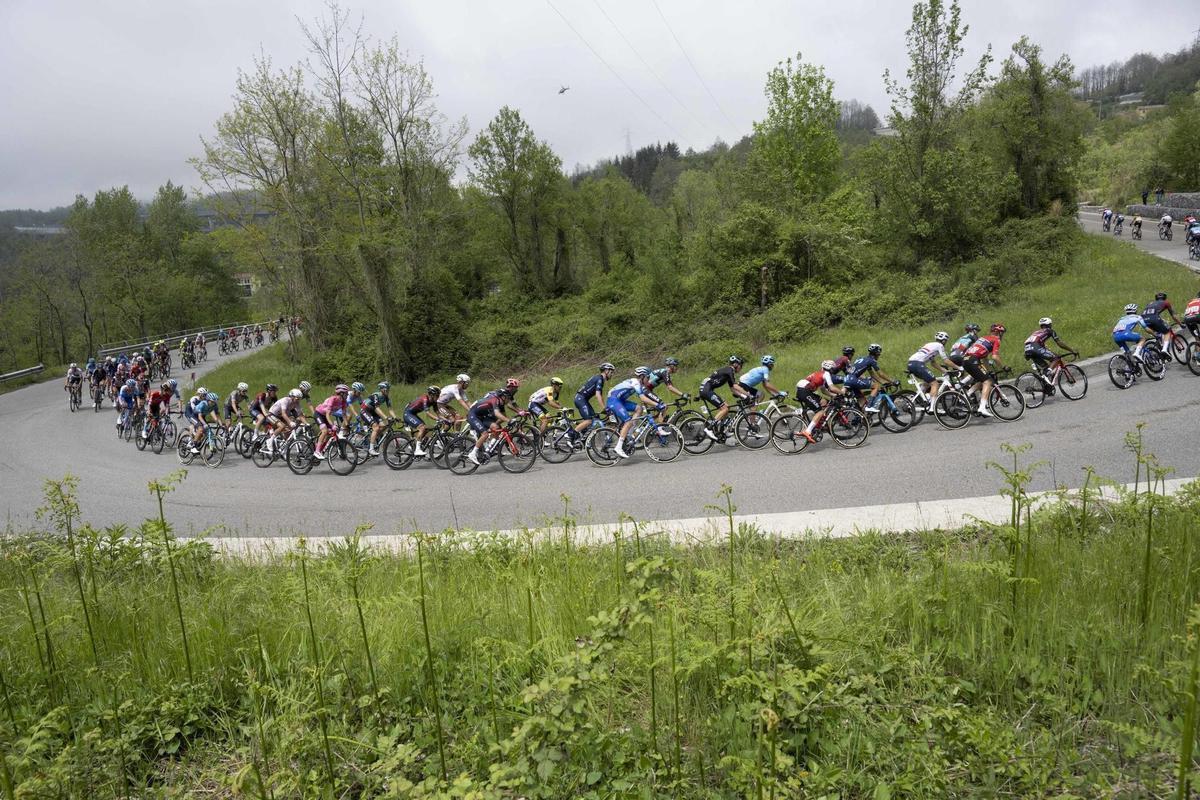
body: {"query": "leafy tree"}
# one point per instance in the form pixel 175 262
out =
pixel 1180 149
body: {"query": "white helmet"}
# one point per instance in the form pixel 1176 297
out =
pixel 462 377
pixel 941 336
pixel 243 387
pixel 305 386
pixel 1045 321
pixel 202 391
pixel 296 393
pixel 828 364
pixel 1132 308
pixel 74 365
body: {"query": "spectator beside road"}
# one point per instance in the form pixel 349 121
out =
pixel 1158 195
pixel 1145 195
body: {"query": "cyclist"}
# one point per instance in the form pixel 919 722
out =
pixel 373 406
pixel 810 391
pixel 1193 232
pixel 1106 216
pixel 126 401
pixel 74 377
pixel 1124 332
pixel 918 364
pixel 1191 316
pixel 840 365
pixel 1136 228
pixel 543 397
pixel 305 388
pixel 662 377
pixel 985 347
pixel 1152 315
pixel 725 376
pixel 1120 224
pixel 454 392
pixel 327 417
pixel 486 415
pixel 864 373
pixel 203 404
pixel 760 375
pixel 90 367
pixel 284 414
pixel 233 404
pixel 959 348
pixel 1037 352
pixel 158 404
pixel 98 378
pixel 260 406
pixel 623 400
pixel 583 398
pixel 425 404
pixel 1164 224
pixel 357 393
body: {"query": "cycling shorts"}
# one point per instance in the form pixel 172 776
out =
pixel 623 409
pixel 537 409
pixel 155 408
pixel 975 369
pixel 1124 338
pixel 857 382
pixel 1156 324
pixel 323 421
pixel 480 422
pixel 919 369
pixel 191 416
pixel 256 412
pixel 808 398
pixel 370 417
pixel 1038 353
pixel 412 420
pixel 708 395
pixel 956 358
pixel 584 408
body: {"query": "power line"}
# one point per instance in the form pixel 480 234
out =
pixel 616 74
pixel 651 69
pixel 688 58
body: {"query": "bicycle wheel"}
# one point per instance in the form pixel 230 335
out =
pixel 169 431
pixel 1121 371
pixel 299 456
pixel 663 442
pixel 600 446
pixel 260 454
pixel 522 452
pixel 1193 357
pixel 242 442
pixel 919 408
pixel 1154 363
pixel 398 450
pixel 691 426
pixel 1072 382
pixel 558 444
pixel 1032 389
pixel 752 430
pixel 139 441
pixel 213 452
pixel 361 440
pixel 785 434
pixel 848 426
pixel 1179 349
pixel 184 449
pixel 898 417
pixel 456 455
pixel 1006 402
pixel 437 448
pixel 341 456
pixel 952 409
pixel 155 440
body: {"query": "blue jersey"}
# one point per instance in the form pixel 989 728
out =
pixel 755 376
pixel 127 395
pixel 862 364
pixel 623 390
pixel 1127 323
pixel 593 387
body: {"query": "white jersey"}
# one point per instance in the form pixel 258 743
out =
pixel 928 352
pixel 452 392
pixel 1166 219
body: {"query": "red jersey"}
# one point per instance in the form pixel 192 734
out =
pixel 816 380
pixel 1193 308
pixel 985 346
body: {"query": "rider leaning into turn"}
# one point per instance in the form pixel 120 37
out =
pixel 918 364
pixel 984 348
pixel 487 414
pixel 1037 352
pixel 725 376
pixel 426 404
pixel 624 399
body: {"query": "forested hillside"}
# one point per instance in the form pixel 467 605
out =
pixel 412 245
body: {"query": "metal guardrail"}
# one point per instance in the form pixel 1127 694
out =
pixel 22 372
pixel 210 333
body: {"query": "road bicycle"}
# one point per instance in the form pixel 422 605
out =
pixel 774 407
pixel 1106 225
pixel 339 455
pixel 212 449
pixel 1136 232
pixel 1164 232
pixel 1194 251
pixel 267 447
pixel 514 445
pixel 1119 227
pixel 97 390
pixel 920 397
pixel 896 412
pixel 844 422
pixel 1193 356
pixel 750 428
pixel 1146 359
pixel 127 422
pixel 956 406
pixel 662 441
pixel 1066 378
pixel 161 434
pixel 75 395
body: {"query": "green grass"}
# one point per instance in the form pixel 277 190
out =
pixel 984 662
pixel 56 372
pixel 1084 301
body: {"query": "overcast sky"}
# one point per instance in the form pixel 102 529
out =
pixel 101 93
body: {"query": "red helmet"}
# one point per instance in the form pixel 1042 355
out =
pixel 511 383
pixel 998 328
pixel 341 388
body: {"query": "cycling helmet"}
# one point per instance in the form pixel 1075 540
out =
pixel 358 387
pixel 431 389
pixel 1160 296
pixel 1045 322
pixel 556 381
pixel 73 365
pixel 166 386
pixel 768 361
pixel 296 393
pixel 131 383
pixel 212 397
pixel 874 349
pixel 1132 308
pixel 642 372
pixel 383 386
pixel 272 388
pixel 341 388
pixel 607 366
pixel 305 387
pixel 672 362
pixel 736 360
pixel 998 328
pixel 201 391
pixel 91 361
pixel 243 387
pixel 941 336
pixel 463 377
pixel 847 350
pixel 511 384
pixel 174 384
pixel 828 364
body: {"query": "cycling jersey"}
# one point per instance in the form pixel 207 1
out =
pixel 544 394
pixel 422 403
pixel 984 347
pixel 928 352
pixel 625 389
pixel 816 380
pixel 376 399
pixel 230 411
pixel 126 396
pixel 282 407
pixel 333 404
pixel 99 375
pixel 490 404
pixel 660 376
pixel 593 387
pixel 198 408
pixel 1127 323
pixel 75 375
pixel 962 343
pixel 1156 308
pixel 451 392
pixel 723 377
pixel 754 377
pixel 1039 337
pixel 1193 308
pixel 158 398
pixel 861 365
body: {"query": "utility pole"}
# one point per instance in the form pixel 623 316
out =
pixel 628 143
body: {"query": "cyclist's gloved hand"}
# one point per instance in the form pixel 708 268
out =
pixel 781 396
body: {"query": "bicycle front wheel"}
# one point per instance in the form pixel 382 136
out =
pixel 1072 382
pixel 299 456
pixel 398 450
pixel 341 455
pixel 213 453
pixel 1179 349
pixel 558 444
pixel 952 410
pixel 1006 402
pixel 519 454
pixel 786 434
pixel 752 430
pixel 1121 371
pixel 184 449
pixel 456 455
pixel 692 427
pixel 1193 357
pixel 663 443
pixel 601 446
pixel 1154 362
pixel 847 426
pixel 899 416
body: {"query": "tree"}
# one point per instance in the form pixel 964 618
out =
pixel 1181 148
pixel 794 156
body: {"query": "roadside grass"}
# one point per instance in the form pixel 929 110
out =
pixel 1084 301
pixel 1046 657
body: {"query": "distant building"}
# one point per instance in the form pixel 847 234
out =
pixel 886 132
pixel 212 220
pixel 1131 99
pixel 248 282
pixel 40 231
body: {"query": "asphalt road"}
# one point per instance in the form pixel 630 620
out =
pixel 42 439
pixel 1174 250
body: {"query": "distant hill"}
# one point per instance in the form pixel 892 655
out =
pixel 1152 77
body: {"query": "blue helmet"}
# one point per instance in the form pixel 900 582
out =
pixel 131 383
pixel 212 397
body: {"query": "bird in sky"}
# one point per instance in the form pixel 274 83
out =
pixel 563 89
